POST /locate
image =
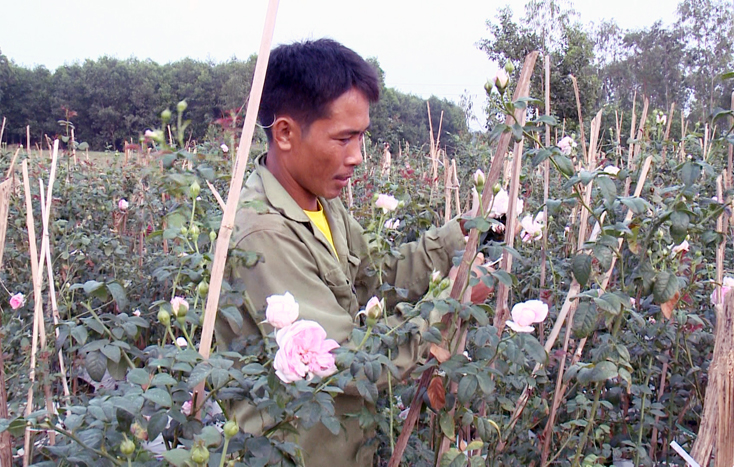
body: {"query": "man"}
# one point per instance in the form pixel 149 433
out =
pixel 315 111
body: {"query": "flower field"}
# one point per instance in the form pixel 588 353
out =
pixel 603 252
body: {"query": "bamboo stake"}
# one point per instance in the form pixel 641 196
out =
pixel 730 160
pixel 28 140
pixel 546 178
pixel 578 109
pixel 667 132
pixel 46 203
pixel 6 451
pixel 447 177
pixel 38 312
pixel 227 225
pixel 456 186
pixel 630 149
pixel 216 194
pixel 503 292
pixel 4 208
pixel 467 260
pixel 2 130
pixel 636 147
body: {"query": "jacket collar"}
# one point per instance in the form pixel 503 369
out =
pixel 276 195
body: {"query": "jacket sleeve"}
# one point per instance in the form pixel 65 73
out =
pixel 411 270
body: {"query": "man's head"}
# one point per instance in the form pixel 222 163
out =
pixel 303 78
pixel 315 108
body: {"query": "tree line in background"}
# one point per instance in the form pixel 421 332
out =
pixel 680 63
pixel 110 101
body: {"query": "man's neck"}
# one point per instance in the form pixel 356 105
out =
pixel 305 200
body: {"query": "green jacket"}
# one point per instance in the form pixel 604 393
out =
pixel 297 258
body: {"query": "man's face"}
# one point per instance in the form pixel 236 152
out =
pixel 323 157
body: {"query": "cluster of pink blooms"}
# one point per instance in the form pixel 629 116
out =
pixel 303 349
pixel 122 205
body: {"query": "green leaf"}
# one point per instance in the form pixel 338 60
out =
pixel 504 277
pixel 608 188
pixel 564 164
pixel 210 436
pixel 112 352
pixel 446 422
pixel 233 316
pixel 541 155
pixel 636 205
pixel 581 267
pixel 118 294
pixel 158 396
pixel 727 75
pixel 177 457
pixel 467 388
pixel 96 364
pixel 664 287
pixel 603 371
pixel 138 376
pixel 533 348
pixel 584 320
pixel 690 172
pixel 80 334
pixel 433 335
pixel 367 390
pixel 199 374
pixel 331 423
pixel 609 303
pixel 163 379
pixel 157 424
pixel 679 226
pixel 554 205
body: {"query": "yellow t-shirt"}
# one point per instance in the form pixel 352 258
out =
pixel 319 220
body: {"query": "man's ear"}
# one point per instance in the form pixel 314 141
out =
pixel 284 129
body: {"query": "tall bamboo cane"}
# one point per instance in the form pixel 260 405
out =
pixel 243 151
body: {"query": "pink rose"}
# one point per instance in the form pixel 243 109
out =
pixel 386 202
pixel 717 297
pixel 304 352
pixel 525 314
pixel 681 248
pixel 501 79
pixel 282 310
pixel 186 408
pixel 17 301
pixel 123 204
pixel 392 223
pixel 532 229
pixel 566 144
pixel 178 305
pixel 373 309
pixel 501 203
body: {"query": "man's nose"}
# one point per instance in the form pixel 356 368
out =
pixel 354 152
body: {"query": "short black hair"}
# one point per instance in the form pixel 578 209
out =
pixel 303 78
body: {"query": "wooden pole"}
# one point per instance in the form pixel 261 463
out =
pixel 467 260
pixel 38 311
pixel 2 130
pixel 227 225
pixel 578 109
pixel 28 140
pixel 546 178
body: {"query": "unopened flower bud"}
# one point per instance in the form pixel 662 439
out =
pixel 181 106
pixel 501 79
pixel 479 180
pixel 509 67
pixel 127 447
pixel 203 288
pixel 212 236
pixel 199 454
pixel 194 231
pixel 164 317
pixel 166 115
pixel 373 309
pixel 496 188
pixel 184 230
pixel 194 189
pixel 231 429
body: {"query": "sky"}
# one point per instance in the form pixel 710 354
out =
pixel 425 47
